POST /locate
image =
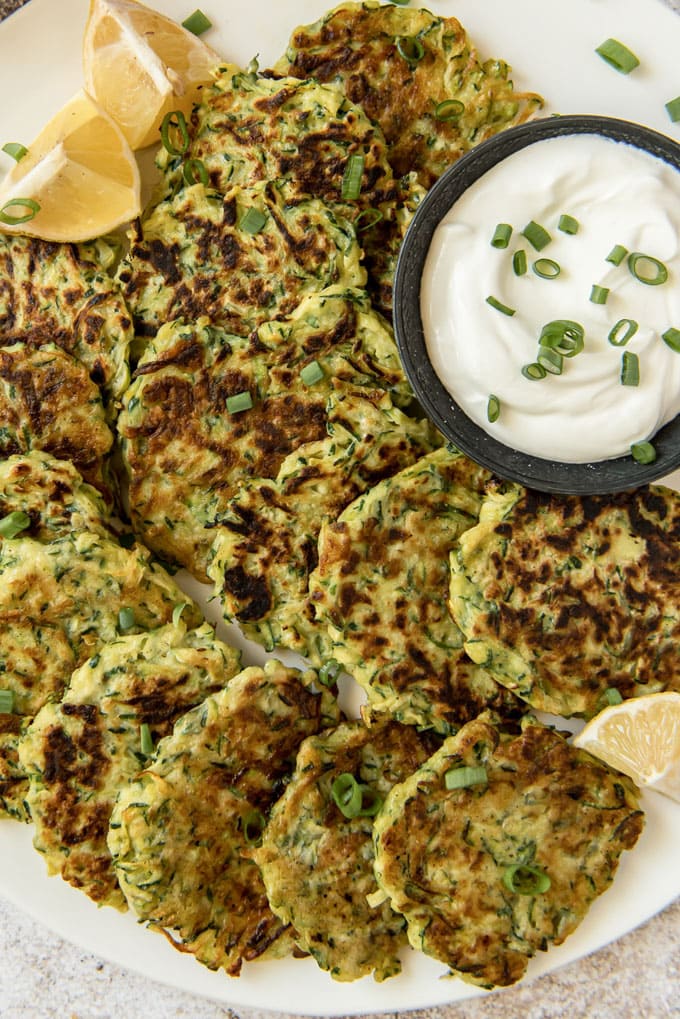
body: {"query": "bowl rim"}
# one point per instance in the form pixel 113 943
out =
pixel 569 478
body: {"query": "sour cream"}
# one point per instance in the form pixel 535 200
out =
pixel 619 195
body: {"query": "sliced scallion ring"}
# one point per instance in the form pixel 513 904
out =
pixel 329 672
pixel 194 172
pixel 14 523
pixel 175 133
pixel 367 219
pixel 126 618
pixel 617 254
pixel 449 109
pixel 567 224
pixel 6 702
pixel 145 740
pixel 537 235
pixel 501 236
pixel 617 55
pixel 647 269
pixel 252 220
pixel 16 150
pixel 9 219
pixel 598 294
pixel 311 373
pixel 464 777
pixel 499 306
pixel 239 402
pixel 351 179
pixel 347 794
pixel 493 408
pixel 252 826
pixel 622 331
pixel 551 360
pixel 563 335
pixel 533 371
pixel 630 369
pixel 410 48
pixel 643 452
pixel 612 695
pixel 672 108
pixel 197 23
pixel 371 801
pixel 524 880
pixel 671 337
pixel 546 268
pixel 519 262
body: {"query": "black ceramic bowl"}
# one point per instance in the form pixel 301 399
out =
pixel 602 476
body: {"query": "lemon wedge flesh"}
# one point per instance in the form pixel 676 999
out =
pixel 641 738
pixel 78 180
pixel 140 65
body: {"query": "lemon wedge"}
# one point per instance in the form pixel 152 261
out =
pixel 79 178
pixel 641 738
pixel 141 65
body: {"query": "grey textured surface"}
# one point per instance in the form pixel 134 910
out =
pixel 44 977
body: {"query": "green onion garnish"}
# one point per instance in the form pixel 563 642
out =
pixel 15 149
pixel 252 826
pixel 400 3
pixel 629 325
pixel 617 254
pixel 6 702
pixel 367 219
pixel 252 220
pixel 524 880
pixel 630 369
pixel 449 109
pixel 519 262
pixel 197 23
pixel 462 778
pixel 671 338
pixel 598 294
pixel 537 235
pixel 371 802
pixel 501 236
pixel 647 269
pixel 351 179
pixel 9 219
pixel 329 672
pixel 14 523
pixel 177 612
pixel 533 371
pixel 410 48
pixel 145 740
pixel 239 402
pixel 493 408
pixel 546 268
pixel 550 360
pixel 126 619
pixel 617 55
pixel 673 109
pixel 499 306
pixel 643 452
pixel 354 799
pixel 194 172
pixel 175 133
pixel 612 695
pixel 564 336
pixel 311 373
pixel 567 224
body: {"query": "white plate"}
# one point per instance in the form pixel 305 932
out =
pixel 551 47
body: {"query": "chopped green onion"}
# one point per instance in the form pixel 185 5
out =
pixel 598 294
pixel 178 143
pixel 463 778
pixel 126 618
pixel 329 672
pixel 671 338
pixel 6 702
pixel 551 360
pixel 14 523
pixel 564 336
pixel 567 224
pixel 615 337
pixel 239 402
pixel 311 373
pixel 410 48
pixel 367 219
pixel 638 262
pixel 145 740
pixel 617 55
pixel 537 235
pixel 371 801
pixel 15 149
pixel 194 172
pixel 524 880
pixel 499 306
pixel 347 795
pixel 252 220
pixel 177 612
pixel 673 109
pixel 630 369
pixel 617 254
pixel 449 109
pixel 612 695
pixel 533 371
pixel 197 23
pixel 493 408
pixel 400 3
pixel 252 826
pixel 9 219
pixel 546 268
pixel 501 236
pixel 643 452
pixel 351 179
pixel 519 262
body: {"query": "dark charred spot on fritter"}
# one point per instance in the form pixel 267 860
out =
pixel 251 592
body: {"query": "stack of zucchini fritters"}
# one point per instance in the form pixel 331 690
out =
pixel 230 388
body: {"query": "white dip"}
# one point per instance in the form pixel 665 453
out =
pixel 619 195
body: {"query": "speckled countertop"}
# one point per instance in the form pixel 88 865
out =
pixel 44 977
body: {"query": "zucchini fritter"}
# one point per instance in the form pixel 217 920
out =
pixel 180 833
pixel 317 863
pixel 400 64
pixel 490 873
pixel 562 598
pixel 78 753
pixel 381 590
